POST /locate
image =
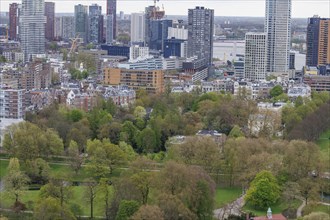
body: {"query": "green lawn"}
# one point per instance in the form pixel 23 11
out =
pixel 279 207
pixel 30 198
pixel 324 144
pixel 224 196
pixel 3 167
pixel 324 141
pixel 316 208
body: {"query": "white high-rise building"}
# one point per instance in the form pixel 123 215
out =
pixel 278 29
pixel 255 56
pixel 32 27
pixel 137 27
pixel 178 33
pixel 136 52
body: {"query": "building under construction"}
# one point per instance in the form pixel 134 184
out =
pixel 152 13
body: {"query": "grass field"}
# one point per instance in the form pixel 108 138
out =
pixel 316 208
pixel 324 144
pixel 224 196
pixel 3 167
pixel 279 207
pixel 30 198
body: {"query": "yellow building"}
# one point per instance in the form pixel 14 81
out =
pixel 150 80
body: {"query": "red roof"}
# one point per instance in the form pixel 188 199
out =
pixel 274 217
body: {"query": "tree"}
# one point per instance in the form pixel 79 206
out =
pixel 300 158
pixel 126 209
pixel 174 209
pixel 146 140
pixel 111 131
pixel 202 151
pixel 142 181
pixel 276 91
pixel 264 190
pixel 75 158
pixel 38 170
pixel 15 181
pixel 290 192
pixel 59 188
pixel 308 189
pixel 27 141
pixel 139 112
pixel 106 193
pixel 105 156
pixel 90 194
pixel 50 208
pixel 149 212
pixel 236 132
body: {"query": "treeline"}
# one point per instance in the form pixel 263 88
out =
pixel 147 125
pixel 293 115
pixel 311 127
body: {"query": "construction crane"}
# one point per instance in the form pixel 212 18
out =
pixel 7 34
pixel 75 42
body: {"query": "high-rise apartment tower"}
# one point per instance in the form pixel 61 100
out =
pixel 278 29
pixel 50 22
pixel 32 26
pixel 200 33
pixel 255 56
pixel 112 10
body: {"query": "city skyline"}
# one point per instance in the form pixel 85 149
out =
pixel 251 8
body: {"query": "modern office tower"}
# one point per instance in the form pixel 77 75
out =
pixel 112 10
pixel 312 41
pixel 278 29
pixel 175 47
pixel 13 21
pixel 32 26
pixel 109 29
pixel 200 33
pixel 81 21
pixel 95 24
pixel 151 13
pixel 58 28
pixel 324 42
pixel 137 27
pixel 255 56
pixel 50 22
pixel 158 33
pixel 68 28
pixel 318 41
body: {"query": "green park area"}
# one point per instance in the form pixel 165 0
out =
pixel 224 196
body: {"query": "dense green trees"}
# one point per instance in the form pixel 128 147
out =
pixel 264 190
pixel 27 141
pixel 50 208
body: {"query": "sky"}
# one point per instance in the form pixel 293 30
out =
pixel 252 8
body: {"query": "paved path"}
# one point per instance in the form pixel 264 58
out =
pixel 233 208
pixel 299 210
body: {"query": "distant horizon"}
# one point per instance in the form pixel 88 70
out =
pixel 229 16
pixel 225 8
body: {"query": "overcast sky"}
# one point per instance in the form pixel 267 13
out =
pixel 255 8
